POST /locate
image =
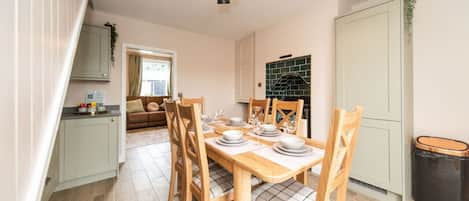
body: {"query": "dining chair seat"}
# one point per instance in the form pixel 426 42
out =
pixel 221 181
pixel 289 190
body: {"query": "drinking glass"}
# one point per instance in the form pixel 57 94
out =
pixel 291 128
pixel 219 114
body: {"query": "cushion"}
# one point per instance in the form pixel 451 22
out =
pixel 162 107
pixel 289 190
pixel 221 181
pixel 135 106
pixel 151 107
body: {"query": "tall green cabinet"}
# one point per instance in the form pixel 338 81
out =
pixel 373 70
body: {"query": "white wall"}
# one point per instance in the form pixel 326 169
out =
pixel 38 42
pixel 441 68
pixel 310 33
pixel 205 65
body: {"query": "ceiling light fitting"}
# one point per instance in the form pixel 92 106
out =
pixel 223 1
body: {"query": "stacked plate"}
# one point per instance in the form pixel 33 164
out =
pixel 265 133
pixel 303 151
pixel 232 138
pixel 231 143
pixel 236 122
pixel 268 130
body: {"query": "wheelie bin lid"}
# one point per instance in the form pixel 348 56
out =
pixel 443 146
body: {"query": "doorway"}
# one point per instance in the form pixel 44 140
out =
pixel 157 78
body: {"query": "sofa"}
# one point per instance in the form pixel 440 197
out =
pixel 147 118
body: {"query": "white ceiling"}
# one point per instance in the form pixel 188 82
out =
pixel 205 16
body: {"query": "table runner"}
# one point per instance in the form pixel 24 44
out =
pixel 250 146
pixel 290 162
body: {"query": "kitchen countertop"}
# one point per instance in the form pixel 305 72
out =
pixel 69 113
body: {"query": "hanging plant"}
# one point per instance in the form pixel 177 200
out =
pixel 114 36
pixel 410 6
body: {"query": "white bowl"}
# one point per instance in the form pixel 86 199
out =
pixel 236 120
pixel 232 135
pixel 292 142
pixel 268 127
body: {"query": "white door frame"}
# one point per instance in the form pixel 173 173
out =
pixel 123 126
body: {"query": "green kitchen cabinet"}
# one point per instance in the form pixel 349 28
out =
pixel 88 151
pixel 93 55
pixel 374 69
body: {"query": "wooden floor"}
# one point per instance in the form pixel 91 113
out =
pixel 145 174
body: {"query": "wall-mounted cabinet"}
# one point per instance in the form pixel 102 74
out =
pixel 93 56
pixel 373 70
pixel 245 85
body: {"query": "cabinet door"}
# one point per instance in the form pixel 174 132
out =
pixel 378 155
pixel 368 66
pixel 88 147
pixel 245 68
pixel 92 58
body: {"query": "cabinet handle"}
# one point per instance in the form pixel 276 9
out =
pixel 112 120
pixel 104 74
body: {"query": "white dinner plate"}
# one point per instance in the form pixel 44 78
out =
pixel 297 151
pixel 220 142
pixel 263 134
pixel 242 140
pixel 242 124
pixel 276 148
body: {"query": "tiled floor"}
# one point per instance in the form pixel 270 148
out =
pixel 144 176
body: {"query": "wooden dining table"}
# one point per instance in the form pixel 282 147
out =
pixel 244 165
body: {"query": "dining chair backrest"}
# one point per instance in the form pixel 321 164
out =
pixel 195 152
pixel 172 122
pixel 188 101
pixel 287 111
pixel 260 108
pixel 339 153
pixel 177 142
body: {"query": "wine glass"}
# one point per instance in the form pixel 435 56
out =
pixel 291 128
pixel 219 114
pixel 285 127
pixel 205 121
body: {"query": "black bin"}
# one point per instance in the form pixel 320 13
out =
pixel 440 170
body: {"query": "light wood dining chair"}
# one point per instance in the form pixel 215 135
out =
pixel 211 182
pixel 286 111
pixel 201 101
pixel 260 108
pixel 176 140
pixel 337 161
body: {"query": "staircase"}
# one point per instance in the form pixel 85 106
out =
pixel 38 40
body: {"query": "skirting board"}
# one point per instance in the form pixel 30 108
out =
pixel 373 193
pixel 86 180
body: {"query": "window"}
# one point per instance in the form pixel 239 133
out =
pixel 155 77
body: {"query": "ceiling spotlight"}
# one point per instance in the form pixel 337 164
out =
pixel 223 1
